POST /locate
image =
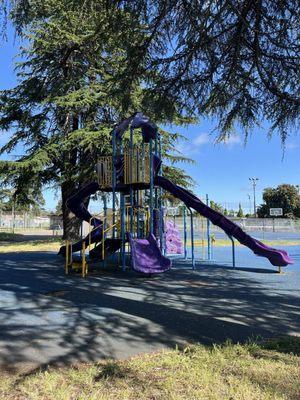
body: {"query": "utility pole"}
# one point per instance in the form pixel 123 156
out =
pixel 254 183
pixel 249 198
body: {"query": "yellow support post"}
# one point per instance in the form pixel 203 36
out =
pixel 90 231
pixel 103 244
pixel 83 261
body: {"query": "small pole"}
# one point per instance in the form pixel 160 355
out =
pixel 104 228
pixel 138 217
pixel 208 233
pixel 232 250
pixel 202 238
pixel 123 231
pixel 131 179
pixel 83 266
pixel 151 185
pixel 155 189
pixel 13 216
pixel 114 185
pixel 184 233
pixel 160 192
pixel 103 245
pixel 192 238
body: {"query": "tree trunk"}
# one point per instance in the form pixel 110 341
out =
pixel 71 224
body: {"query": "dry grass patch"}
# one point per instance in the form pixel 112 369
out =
pixel 31 245
pixel 228 372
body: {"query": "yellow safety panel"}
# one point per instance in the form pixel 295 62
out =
pixel 104 170
pixel 137 166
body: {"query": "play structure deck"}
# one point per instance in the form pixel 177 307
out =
pixel 135 229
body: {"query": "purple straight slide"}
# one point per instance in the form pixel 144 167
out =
pixel 276 257
pixel 146 256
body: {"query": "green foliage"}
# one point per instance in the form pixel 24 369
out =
pixel 231 213
pixel 72 89
pixel 240 212
pixel 216 206
pixel 236 62
pixel 9 201
pixel 284 196
pixel 58 208
pixel 179 176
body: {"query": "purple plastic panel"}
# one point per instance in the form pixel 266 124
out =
pixel 146 256
pixel 173 239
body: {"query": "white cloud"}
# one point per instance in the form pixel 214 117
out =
pixel 201 139
pixel 232 140
pixel 291 146
pixel 193 146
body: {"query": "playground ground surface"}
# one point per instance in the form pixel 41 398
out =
pixel 48 318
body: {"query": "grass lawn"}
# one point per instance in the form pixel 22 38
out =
pixel 9 246
pixel 229 372
pixel 10 243
pixel 9 236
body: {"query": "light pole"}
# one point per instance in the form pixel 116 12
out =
pixel 297 187
pixel 254 182
pixel 249 198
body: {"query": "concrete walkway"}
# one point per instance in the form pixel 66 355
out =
pixel 48 318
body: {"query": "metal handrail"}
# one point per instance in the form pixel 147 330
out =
pixel 103 239
pixel 104 218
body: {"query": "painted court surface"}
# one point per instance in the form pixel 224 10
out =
pixel 47 317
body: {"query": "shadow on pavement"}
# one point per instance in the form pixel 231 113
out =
pixel 50 319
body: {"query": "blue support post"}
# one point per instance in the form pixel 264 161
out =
pixel 105 221
pixel 184 233
pixel 192 238
pixel 123 217
pixel 143 162
pixel 151 186
pixel 114 185
pixel 208 234
pixel 232 250
pixel 161 213
pixel 138 215
pixel 131 175
pixel 156 190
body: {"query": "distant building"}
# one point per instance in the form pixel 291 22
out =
pixel 56 221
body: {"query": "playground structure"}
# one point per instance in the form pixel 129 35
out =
pixel 133 233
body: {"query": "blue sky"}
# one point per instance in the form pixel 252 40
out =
pixel 221 170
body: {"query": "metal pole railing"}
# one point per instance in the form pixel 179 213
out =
pixel 208 233
pixel 192 238
pixel 232 250
pixel 151 185
pixel 184 233
pixel 114 183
